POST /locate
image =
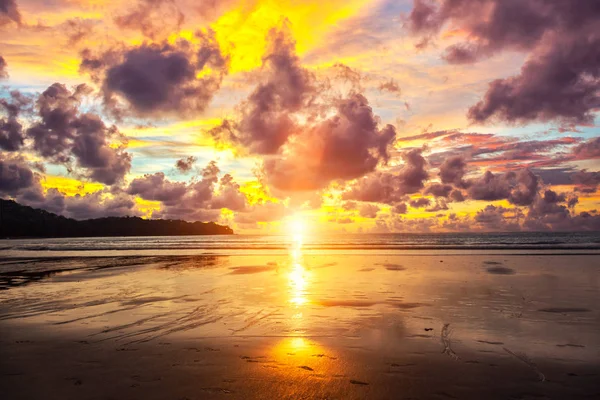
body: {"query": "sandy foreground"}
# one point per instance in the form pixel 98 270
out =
pixel 505 326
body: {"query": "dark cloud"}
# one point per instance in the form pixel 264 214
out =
pixel 494 25
pixel 9 12
pixel 493 218
pixel 555 176
pixel 154 18
pixel 186 164
pixel 57 108
pixel 438 190
pixel 457 196
pixel 159 79
pixel 3 68
pixel 519 188
pixel 586 181
pixel 549 209
pixel 11 131
pixel 560 79
pixel 392 187
pixel 453 170
pixel 266 121
pixel 156 187
pixel 421 202
pixel 400 208
pixel 525 189
pixel 14 176
pixel 62 133
pixel 560 82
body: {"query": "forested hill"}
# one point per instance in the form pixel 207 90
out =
pixel 17 220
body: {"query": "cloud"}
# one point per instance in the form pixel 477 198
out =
pixel 97 205
pixel 421 202
pixel 156 187
pixel 457 196
pixel 588 150
pixel 560 79
pixel 9 12
pixel 519 188
pixel 493 218
pixel 425 136
pixel 345 146
pixel 14 176
pixel 390 86
pixel 229 195
pixel 155 80
pixel 185 164
pixel 3 68
pixel 345 74
pixel 11 131
pixel 77 29
pixel 267 211
pixel 368 210
pixel 391 187
pixel 400 208
pixel 439 190
pixel 439 205
pixel 557 83
pixel 453 170
pixel 586 181
pixel 61 132
pixel 266 119
pixel 199 199
pixel 154 18
pixel 307 136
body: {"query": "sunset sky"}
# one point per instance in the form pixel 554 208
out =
pixel 348 115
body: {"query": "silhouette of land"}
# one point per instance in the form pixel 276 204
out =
pixel 17 220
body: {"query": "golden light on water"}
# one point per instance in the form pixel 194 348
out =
pixel 296 228
pixel 298 275
pixel 298 281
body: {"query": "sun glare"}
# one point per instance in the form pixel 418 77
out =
pixel 296 229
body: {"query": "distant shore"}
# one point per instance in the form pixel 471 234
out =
pixel 18 221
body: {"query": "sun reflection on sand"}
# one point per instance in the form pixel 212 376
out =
pixel 301 351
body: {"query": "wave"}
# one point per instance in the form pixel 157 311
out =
pixel 425 242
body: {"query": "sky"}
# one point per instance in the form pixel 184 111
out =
pixel 341 116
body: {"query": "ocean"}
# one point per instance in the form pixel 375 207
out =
pixel 354 243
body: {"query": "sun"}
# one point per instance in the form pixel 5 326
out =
pixel 296 230
pixel 296 226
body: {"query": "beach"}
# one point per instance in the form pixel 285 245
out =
pixel 298 324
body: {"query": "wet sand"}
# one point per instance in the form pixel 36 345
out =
pixel 299 326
